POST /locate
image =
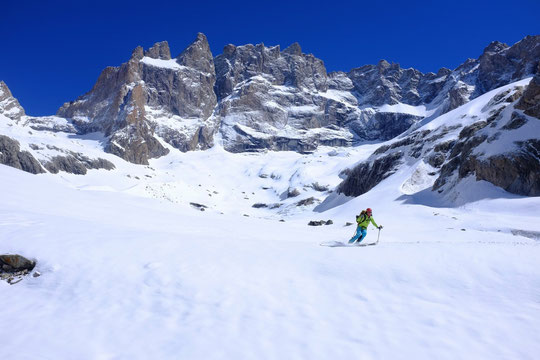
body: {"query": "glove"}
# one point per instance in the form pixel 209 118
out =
pixel 380 227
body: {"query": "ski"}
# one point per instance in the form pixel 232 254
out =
pixel 370 244
pixel 342 244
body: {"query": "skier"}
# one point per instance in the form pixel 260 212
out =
pixel 363 221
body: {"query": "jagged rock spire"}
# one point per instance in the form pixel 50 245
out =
pixel 293 49
pixel 160 50
pixel 198 55
pixel 138 53
pixel 9 106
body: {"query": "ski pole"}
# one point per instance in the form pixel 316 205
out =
pixel 378 236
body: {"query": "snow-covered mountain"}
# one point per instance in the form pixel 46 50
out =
pixel 256 98
pixel 479 119
pixel 490 138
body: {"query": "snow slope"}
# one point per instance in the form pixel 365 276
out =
pixel 129 277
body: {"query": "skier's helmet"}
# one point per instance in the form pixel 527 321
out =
pixel 368 211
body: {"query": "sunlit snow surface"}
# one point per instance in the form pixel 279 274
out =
pixel 127 277
pixel 130 270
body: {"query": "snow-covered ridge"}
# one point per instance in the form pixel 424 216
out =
pixel 487 139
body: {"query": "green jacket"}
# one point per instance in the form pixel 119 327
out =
pixel 363 221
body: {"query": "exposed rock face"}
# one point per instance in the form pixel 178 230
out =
pixel 290 67
pixel 182 87
pixel 76 163
pixel 270 99
pixel 284 100
pixel 530 101
pixel 49 123
pixel 11 155
pixel 365 176
pixel 500 64
pixel 160 50
pixel 386 83
pixel 351 109
pixel 9 106
pixel 150 95
pixel 517 172
pixel 262 98
pixel 104 107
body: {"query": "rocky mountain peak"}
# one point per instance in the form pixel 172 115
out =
pixel 495 46
pixel 148 95
pixel 9 106
pixel 258 97
pixel 198 55
pixel 229 49
pixel 497 68
pixel 137 54
pixel 382 65
pixel 443 72
pixel 239 63
pixel 201 37
pixel 293 49
pixel 159 50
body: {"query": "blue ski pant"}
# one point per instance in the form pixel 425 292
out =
pixel 360 235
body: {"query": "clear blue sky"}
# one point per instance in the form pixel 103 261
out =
pixel 53 51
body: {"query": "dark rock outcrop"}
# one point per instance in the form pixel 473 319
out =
pixel 516 121
pixel 530 101
pixel 306 202
pixel 13 268
pixel 13 263
pixel 11 155
pixel 259 205
pixel 365 176
pixel 291 192
pixel 198 206
pixel 517 172
pixel 320 222
pixel 76 163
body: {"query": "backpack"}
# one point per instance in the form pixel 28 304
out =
pixel 362 217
